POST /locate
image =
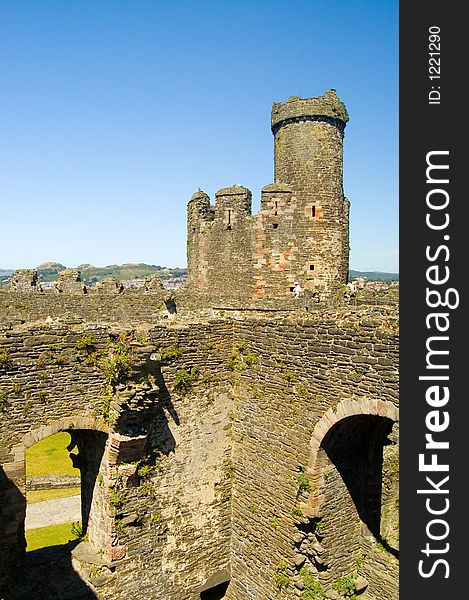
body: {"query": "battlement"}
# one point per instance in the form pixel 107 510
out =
pixel 275 197
pixel 25 280
pixel 327 106
pixel 232 204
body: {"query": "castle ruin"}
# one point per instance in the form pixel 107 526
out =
pixel 301 231
pixel 234 441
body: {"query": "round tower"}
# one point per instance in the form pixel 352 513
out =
pixel 308 156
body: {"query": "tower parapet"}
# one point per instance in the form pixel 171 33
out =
pixel 70 282
pixel 199 206
pixel 275 197
pixel 328 107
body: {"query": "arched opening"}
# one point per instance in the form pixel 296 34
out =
pixel 48 570
pixel 354 446
pixel 216 585
pixel 351 523
pixel 85 449
pixel 215 593
pixel 53 493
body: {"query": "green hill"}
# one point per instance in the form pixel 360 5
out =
pixel 49 271
pixel 374 275
pixel 129 271
pixel 91 274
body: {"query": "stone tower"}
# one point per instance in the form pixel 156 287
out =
pixel 236 259
pixel 308 155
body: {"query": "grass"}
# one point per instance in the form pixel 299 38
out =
pixel 43 495
pixel 43 537
pixel 50 456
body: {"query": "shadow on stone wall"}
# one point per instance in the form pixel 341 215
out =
pixel 12 540
pixel 355 447
pixel 161 436
pixel 146 408
pixel 48 573
pixel 91 445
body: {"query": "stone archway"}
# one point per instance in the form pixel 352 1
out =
pixel 351 447
pixel 64 424
pixel 89 435
pixel 348 408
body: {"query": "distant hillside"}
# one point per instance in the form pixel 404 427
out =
pixel 5 275
pixel 49 271
pixel 92 274
pixel 374 275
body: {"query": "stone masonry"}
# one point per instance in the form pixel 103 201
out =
pixel 233 441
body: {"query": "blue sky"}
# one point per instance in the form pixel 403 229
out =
pixel 113 112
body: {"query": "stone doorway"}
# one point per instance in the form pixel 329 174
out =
pixel 350 521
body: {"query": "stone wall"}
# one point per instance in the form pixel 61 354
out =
pixel 302 371
pixel 51 482
pixel 210 433
pixel 248 446
pixel 131 306
pixel 160 512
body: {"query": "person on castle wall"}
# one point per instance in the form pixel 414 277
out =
pixel 297 289
pixel 351 290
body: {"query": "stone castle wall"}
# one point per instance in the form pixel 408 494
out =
pixel 171 526
pixel 301 231
pixel 23 300
pixel 220 496
pixel 304 369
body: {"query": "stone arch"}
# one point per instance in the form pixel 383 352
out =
pixel 64 424
pixel 216 586
pixel 89 434
pixel 345 470
pixel 15 469
pixel 347 408
pixel 344 409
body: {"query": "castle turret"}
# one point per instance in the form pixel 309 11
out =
pixel 200 215
pixel 232 205
pixel 219 248
pixel 308 148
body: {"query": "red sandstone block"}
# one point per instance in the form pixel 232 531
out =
pixel 114 553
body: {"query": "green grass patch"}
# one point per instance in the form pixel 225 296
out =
pixel 43 537
pixel 50 455
pixel 43 495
